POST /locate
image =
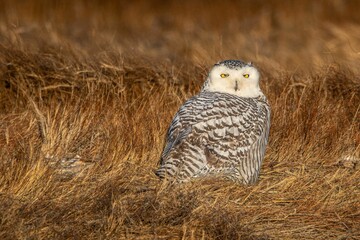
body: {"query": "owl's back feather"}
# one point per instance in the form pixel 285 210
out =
pixel 217 133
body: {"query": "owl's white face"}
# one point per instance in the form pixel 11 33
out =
pixel 234 77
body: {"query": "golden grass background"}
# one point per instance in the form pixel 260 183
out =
pixel 88 89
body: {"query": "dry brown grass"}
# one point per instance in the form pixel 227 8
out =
pixel 88 89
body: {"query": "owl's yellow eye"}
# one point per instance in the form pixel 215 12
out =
pixel 246 75
pixel 224 75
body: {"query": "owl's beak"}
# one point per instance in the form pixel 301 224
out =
pixel 236 86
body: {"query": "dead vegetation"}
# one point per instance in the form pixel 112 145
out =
pixel 88 88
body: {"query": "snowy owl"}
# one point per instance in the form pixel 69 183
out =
pixel 222 131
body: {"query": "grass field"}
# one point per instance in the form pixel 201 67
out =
pixel 88 89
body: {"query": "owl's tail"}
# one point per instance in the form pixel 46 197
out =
pixel 160 173
pixel 165 172
pixel 168 169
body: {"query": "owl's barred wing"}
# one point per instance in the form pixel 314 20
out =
pixel 256 153
pixel 175 135
pixel 253 155
pixel 183 121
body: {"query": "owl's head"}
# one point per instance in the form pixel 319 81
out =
pixel 234 77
